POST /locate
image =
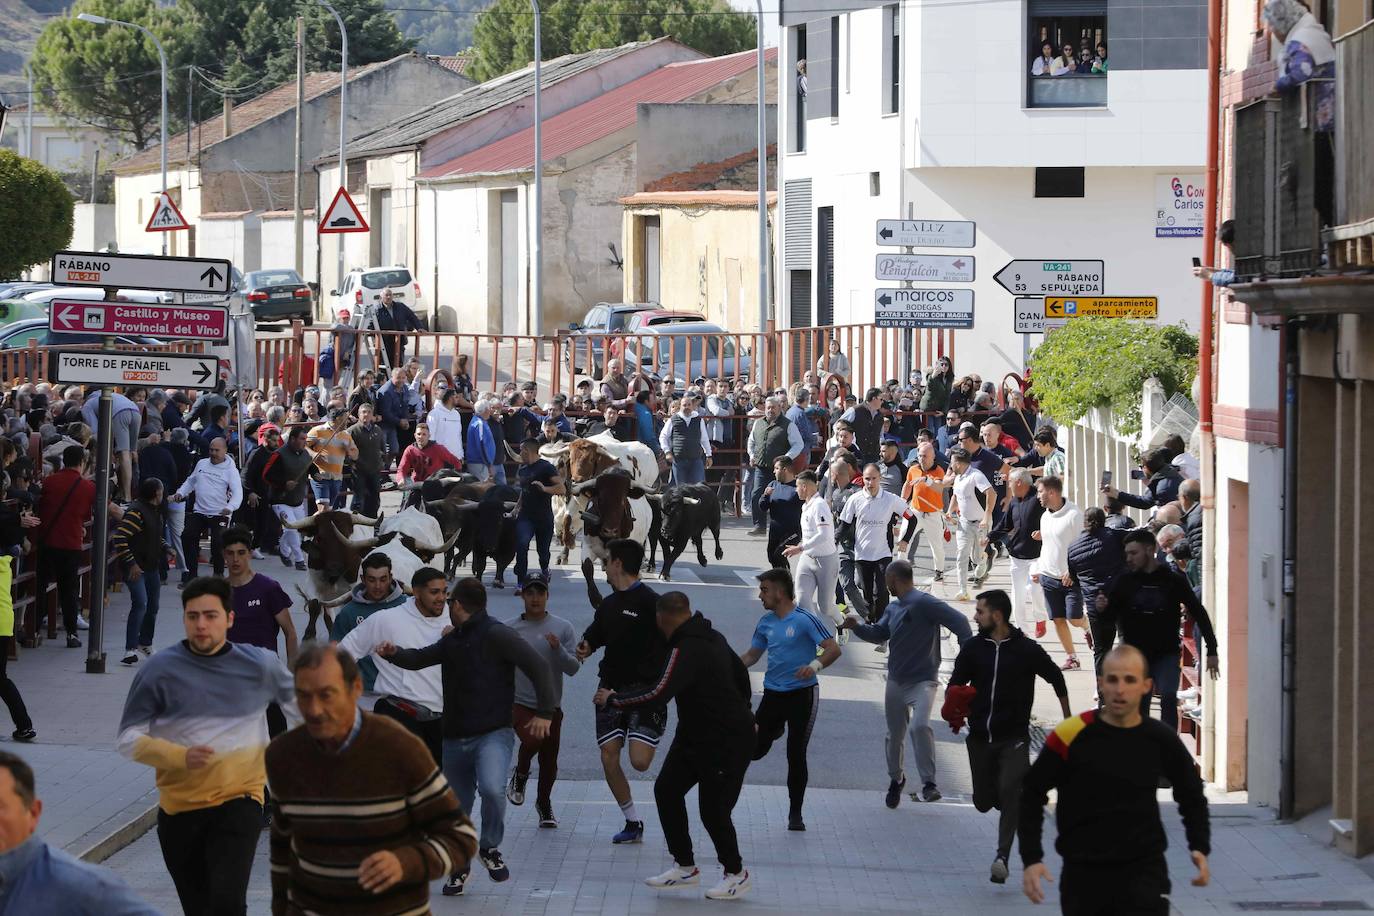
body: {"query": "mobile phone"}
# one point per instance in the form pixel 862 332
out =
pixel 1137 474
pixel 1197 262
pixel 1106 478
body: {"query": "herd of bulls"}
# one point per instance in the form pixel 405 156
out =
pixel 610 492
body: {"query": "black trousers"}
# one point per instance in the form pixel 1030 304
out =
pixel 9 692
pixel 62 567
pixel 873 582
pixel 796 711
pixel 1104 635
pixel 717 770
pixel 1131 889
pixel 430 732
pixel 367 496
pixel 209 854
pixel 196 525
pixel 998 767
pixel 779 538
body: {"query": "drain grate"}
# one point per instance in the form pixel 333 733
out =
pixel 1303 906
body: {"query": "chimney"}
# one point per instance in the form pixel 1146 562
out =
pixel 228 116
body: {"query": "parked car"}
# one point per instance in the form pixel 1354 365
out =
pixel 44 296
pixel 652 318
pixel 687 351
pixel 21 288
pixel 278 294
pixel 364 287
pixel 587 357
pixel 35 330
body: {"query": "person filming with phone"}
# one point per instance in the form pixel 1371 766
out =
pixel 1161 478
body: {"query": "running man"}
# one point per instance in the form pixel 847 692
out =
pixel 870 513
pixel 1002 663
pixel 791 635
pixel 818 566
pixel 1106 764
pixel 626 625
pixel 262 609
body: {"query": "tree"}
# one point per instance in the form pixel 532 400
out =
pixel 503 39
pixel 109 75
pixel 1104 362
pixel 37 209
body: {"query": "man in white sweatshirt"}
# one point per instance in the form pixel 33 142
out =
pixel 818 566
pixel 1059 527
pixel 218 490
pixel 413 698
pixel 446 423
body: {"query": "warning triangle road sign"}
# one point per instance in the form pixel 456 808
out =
pixel 166 217
pixel 342 215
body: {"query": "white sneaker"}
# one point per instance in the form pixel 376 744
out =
pixel 1188 696
pixel 731 887
pixel 258 555
pixel 1192 712
pixel 677 876
pixel 82 623
pixel 961 596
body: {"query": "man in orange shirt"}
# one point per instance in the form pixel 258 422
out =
pixel 924 490
pixel 329 445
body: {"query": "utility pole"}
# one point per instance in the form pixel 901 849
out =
pixel 537 255
pixel 299 220
pixel 28 115
pixel 763 177
pixel 343 121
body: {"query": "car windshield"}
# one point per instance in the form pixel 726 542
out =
pixel 260 278
pixel 618 321
pixel 380 279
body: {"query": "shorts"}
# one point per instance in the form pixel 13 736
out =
pixel 1062 600
pixel 125 430
pixel 644 724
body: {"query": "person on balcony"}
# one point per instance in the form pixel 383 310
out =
pixel 1100 62
pixel 1308 54
pixel 1066 63
pixel 1043 65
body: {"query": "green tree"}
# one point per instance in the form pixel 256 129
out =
pixel 503 39
pixel 1104 362
pixel 37 208
pixel 108 76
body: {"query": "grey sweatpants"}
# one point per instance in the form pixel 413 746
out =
pixel 908 713
pixel 816 578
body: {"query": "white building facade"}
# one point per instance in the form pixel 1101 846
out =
pixel 930 110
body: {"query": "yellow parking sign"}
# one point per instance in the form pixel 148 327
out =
pixel 1101 306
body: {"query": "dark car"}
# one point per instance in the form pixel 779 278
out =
pixel 274 295
pixel 686 352
pixel 587 342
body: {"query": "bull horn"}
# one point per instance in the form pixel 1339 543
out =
pixel 447 481
pixel 556 451
pixel 691 500
pixel 409 485
pixel 445 547
pixel 301 524
pixel 364 520
pixel 515 456
pixel 366 543
pixel 580 488
pixel 654 498
pixel 435 503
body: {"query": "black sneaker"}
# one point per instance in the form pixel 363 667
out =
pixel 633 833
pixel 285 561
pixel 795 822
pixel 894 792
pixel 24 734
pixel 515 788
pixel 494 864
pixel 929 793
pixel 545 811
pixel 456 884
pixel 129 660
pixel 73 642
pixel 300 566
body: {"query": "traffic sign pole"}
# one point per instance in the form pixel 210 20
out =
pixel 100 534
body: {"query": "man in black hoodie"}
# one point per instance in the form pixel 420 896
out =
pixel 712 747
pixel 1002 664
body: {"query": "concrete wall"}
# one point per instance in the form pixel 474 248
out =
pixel 456 227
pixel 673 138
pixel 135 196
pixel 238 238
pixel 278 244
pixel 93 227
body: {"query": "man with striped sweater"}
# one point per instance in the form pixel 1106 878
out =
pixel 362 777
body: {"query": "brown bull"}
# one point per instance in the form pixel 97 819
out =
pixel 333 558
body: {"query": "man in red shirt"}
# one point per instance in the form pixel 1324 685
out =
pixel 64 507
pixel 420 460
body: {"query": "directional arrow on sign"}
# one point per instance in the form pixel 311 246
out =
pixel 885 299
pixel 211 276
pixel 68 315
pixel 1049 277
pixel 203 373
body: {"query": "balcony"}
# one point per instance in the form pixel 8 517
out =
pixel 1072 90
pixel 1350 242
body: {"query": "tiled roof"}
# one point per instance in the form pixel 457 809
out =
pixel 413 129
pixel 731 199
pixel 602 116
pixel 458 63
pixel 736 173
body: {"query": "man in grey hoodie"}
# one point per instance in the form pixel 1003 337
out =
pixel 377 591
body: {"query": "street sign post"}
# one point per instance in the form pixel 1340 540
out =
pixel 132 367
pixel 1101 307
pixel 141 271
pixel 98 318
pixel 923 308
pixel 1048 277
pixel 940 268
pixel 926 233
pixel 1030 316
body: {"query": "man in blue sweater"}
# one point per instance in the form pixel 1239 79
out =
pixel 481 446
pixel 910 625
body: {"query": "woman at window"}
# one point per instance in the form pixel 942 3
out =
pixel 1085 61
pixel 1065 63
pixel 1041 65
pixel 1100 62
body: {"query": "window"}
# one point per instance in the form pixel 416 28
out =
pixel 892 58
pixel 357 175
pixel 875 184
pixel 799 89
pixel 1058 182
pixel 1067 54
pixel 834 66
pixel 381 279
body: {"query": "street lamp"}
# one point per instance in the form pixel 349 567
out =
pixel 162 57
pixel 343 118
pixel 536 312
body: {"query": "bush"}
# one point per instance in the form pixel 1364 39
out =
pixel 36 211
pixel 1104 362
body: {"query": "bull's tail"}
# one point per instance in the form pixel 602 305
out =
pixel 655 533
pixel 715 530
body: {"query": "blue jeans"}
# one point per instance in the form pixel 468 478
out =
pixel 496 472
pixel 689 470
pixel 1164 671
pixel 532 528
pixel 327 492
pixel 481 765
pixel 145 593
pixel 762 477
pixel 392 435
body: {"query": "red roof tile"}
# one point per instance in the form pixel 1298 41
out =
pixel 602 116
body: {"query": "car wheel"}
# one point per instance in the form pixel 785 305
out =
pixel 307 318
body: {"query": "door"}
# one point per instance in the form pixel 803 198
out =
pixel 510 261
pixel 825 266
pixel 651 260
pixel 381 227
pixel 799 316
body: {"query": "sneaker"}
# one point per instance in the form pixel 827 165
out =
pixel 494 864
pixel 1188 696
pixel 842 638
pixel 677 876
pixel 519 590
pixel 257 554
pixel 795 822
pixel 1040 629
pixel 961 596
pixel 129 660
pixel 881 648
pixel 928 793
pixel 498 582
pixel 758 532
pixel 731 887
pixel 82 623
pixel 73 642
pixel 999 870
pixel 894 792
pixel 633 833
pixel 515 789
pixel 24 734
pixel 286 561
pixel 300 566
pixel 1193 712
pixel 1070 664
pixel 146 650
pixel 545 812
pixel 456 884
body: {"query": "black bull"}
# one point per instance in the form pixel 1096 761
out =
pixel 688 511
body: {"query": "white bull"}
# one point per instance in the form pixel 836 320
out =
pixel 404 563
pixel 635 457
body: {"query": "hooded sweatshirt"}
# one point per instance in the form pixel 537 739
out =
pixel 1004 675
pixel 354 613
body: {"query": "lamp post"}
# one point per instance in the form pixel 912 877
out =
pixel 162 58
pixel 763 178
pixel 537 255
pixel 343 120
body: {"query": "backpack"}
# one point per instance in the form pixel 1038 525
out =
pixel 326 363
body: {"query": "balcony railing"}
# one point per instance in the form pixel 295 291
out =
pixel 1072 90
pixel 1351 241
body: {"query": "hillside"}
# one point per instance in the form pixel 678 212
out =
pixel 20 23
